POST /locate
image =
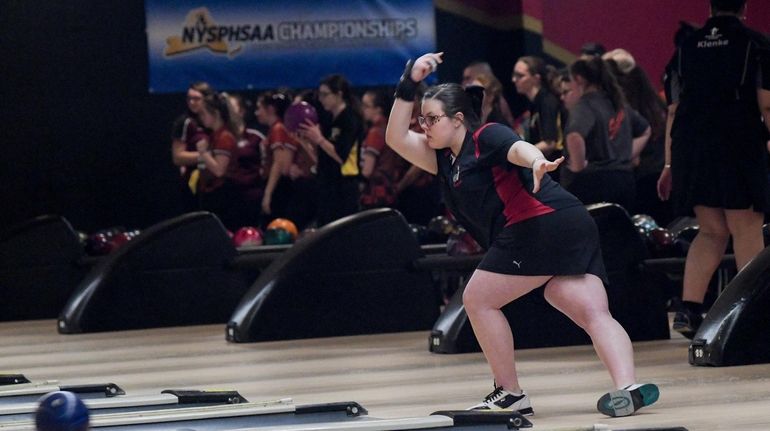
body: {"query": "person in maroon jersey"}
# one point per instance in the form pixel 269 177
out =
pixel 187 131
pixel 278 155
pixel 535 233
pixel 247 164
pixel 289 190
pixel 215 191
pixel 382 167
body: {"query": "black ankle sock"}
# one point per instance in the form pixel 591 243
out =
pixel 692 307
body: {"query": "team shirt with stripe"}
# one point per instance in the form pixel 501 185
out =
pixel 486 193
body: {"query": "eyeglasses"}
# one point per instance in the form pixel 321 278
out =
pixel 430 120
pixel 194 98
pixel 322 94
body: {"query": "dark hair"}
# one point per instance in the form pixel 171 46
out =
pixel 595 49
pixel 455 99
pixel 596 72
pixel 339 84
pixel 279 101
pixel 733 6
pixel 641 96
pixel 476 94
pixel 218 102
pixel 204 89
pixel 382 99
pixel 538 66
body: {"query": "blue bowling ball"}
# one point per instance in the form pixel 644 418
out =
pixel 61 411
pixel 277 236
pixel 644 222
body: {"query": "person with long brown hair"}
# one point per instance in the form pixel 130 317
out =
pixel 186 131
pixel 215 192
pixel 532 78
pixel 603 136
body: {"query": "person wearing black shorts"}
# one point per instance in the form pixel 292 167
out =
pixel 536 233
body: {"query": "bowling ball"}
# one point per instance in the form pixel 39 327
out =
pixel 111 231
pixel 687 234
pixel 440 227
pixel 61 411
pixel 98 244
pixel 285 224
pixel 119 239
pixel 297 114
pixel 247 236
pixel 643 221
pixel 460 243
pixel 420 233
pixel 661 242
pixel 683 238
pixel 277 236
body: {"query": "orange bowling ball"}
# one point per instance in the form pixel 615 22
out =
pixel 286 224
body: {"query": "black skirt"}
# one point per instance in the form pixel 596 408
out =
pixel 564 242
pixel 719 159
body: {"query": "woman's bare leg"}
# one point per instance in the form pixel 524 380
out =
pixel 485 294
pixel 583 299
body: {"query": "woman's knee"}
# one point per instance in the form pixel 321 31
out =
pixel 712 223
pixel 472 297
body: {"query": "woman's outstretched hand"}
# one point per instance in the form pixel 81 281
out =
pixel 540 167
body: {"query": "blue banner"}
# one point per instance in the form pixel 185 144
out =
pixel 265 44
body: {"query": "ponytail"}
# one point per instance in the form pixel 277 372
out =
pixel 220 103
pixel 476 94
pixel 595 72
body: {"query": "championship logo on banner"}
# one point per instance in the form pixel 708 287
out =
pixel 253 44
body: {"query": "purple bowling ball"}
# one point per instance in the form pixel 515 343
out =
pixel 297 113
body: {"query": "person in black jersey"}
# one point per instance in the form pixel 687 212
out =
pixel 339 150
pixel 535 234
pixel 716 156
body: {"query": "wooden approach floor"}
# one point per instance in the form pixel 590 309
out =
pixel 392 375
